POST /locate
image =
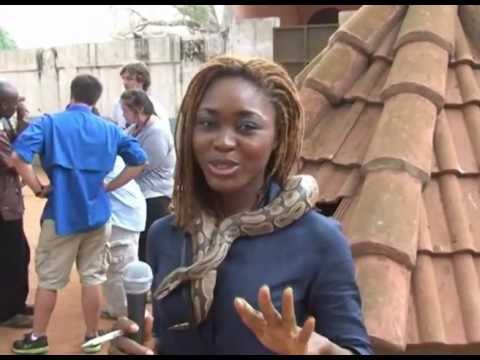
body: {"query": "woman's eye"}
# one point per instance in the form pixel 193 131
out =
pixel 205 123
pixel 247 126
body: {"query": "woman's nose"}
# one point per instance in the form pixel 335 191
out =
pixel 225 140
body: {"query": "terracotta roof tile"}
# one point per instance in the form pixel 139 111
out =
pixel 386 49
pixel 300 78
pixel 467 284
pixel 363 87
pixel 468 84
pixel 355 145
pixel 426 301
pixel 420 68
pixel 472 114
pixel 469 16
pixel 376 92
pixel 403 138
pixel 385 311
pixel 315 104
pixel 414 107
pixel 334 182
pixel 451 227
pixel 433 24
pixel 462 52
pixel 453 96
pixel 434 318
pixel 386 224
pixel 335 73
pixel 326 138
pixel 452 143
pixel 366 30
pixel 445 148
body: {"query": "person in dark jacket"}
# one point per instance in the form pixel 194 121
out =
pixel 15 251
pixel 245 264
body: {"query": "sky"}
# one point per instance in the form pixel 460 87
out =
pixel 34 26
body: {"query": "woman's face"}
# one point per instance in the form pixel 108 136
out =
pixel 132 116
pixel 234 135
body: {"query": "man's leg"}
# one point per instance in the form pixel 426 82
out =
pixel 45 301
pixel 92 266
pixel 91 302
pixel 53 262
pixel 54 259
pixel 14 258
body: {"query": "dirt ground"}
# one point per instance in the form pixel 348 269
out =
pixel 66 330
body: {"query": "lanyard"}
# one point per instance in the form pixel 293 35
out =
pixel 136 131
pixel 11 133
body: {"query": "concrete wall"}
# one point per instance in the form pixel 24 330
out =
pixel 43 76
pixel 252 37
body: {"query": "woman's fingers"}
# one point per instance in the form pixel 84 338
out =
pixel 124 345
pixel 252 318
pixel 125 324
pixel 307 330
pixel 113 350
pixel 148 327
pixel 271 315
pixel 288 308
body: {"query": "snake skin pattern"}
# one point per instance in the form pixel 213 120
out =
pixel 211 244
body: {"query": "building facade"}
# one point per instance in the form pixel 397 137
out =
pixel 292 15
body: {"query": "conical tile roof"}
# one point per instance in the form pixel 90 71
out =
pixel 393 138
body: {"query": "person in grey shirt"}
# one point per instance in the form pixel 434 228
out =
pixel 155 137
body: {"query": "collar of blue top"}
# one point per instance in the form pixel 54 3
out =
pixel 78 107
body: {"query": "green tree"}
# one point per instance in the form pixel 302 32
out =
pixel 198 18
pixel 6 42
pixel 203 15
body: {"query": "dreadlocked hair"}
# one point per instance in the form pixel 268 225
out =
pixel 190 184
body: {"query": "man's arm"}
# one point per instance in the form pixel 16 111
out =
pixel 28 176
pixel 134 157
pixel 127 174
pixel 25 146
pixel 131 152
pixel 5 152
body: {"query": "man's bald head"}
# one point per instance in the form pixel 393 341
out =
pixel 8 99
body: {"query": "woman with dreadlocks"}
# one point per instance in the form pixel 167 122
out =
pixel 244 234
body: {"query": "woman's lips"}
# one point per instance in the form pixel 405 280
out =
pixel 222 167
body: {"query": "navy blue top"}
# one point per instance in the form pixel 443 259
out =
pixel 77 149
pixel 311 255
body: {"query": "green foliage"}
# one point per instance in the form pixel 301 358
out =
pixel 6 42
pixel 198 13
pixel 203 15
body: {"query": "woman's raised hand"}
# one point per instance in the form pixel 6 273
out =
pixel 280 332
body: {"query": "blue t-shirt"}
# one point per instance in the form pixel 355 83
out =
pixel 311 255
pixel 77 150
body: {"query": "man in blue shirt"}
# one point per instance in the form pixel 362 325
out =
pixel 77 150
